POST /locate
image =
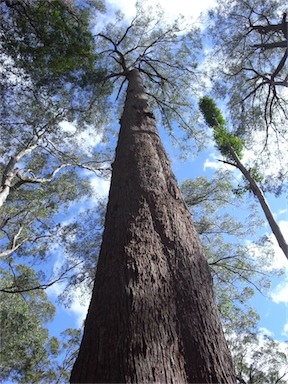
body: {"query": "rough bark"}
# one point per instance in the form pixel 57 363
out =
pixel 152 316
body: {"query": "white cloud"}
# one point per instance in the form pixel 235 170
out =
pixel 68 127
pixel 172 8
pixel 79 304
pixel 90 137
pixel 265 332
pixel 285 330
pixel 280 293
pixel 213 162
pixel 100 187
pixel 79 307
pixel 127 7
pixel 85 139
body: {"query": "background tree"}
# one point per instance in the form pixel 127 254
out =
pixel 69 345
pixel 256 32
pixel 25 344
pixel 28 353
pixel 47 108
pixel 231 148
pixel 259 359
pixel 238 274
pixel 250 48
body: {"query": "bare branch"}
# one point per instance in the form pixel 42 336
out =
pixel 126 32
pixel 61 277
pixel 241 381
pixel 43 180
pixel 280 44
pixel 13 244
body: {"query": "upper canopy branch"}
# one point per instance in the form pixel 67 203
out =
pixel 162 54
pixel 253 50
pixel 266 29
pixel 121 60
pixel 121 57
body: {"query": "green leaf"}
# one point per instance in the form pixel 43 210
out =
pixel 215 120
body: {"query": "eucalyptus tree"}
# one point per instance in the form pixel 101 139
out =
pixel 259 359
pixel 231 147
pixel 50 101
pixel 28 352
pixel 251 50
pixel 152 315
pixel 25 342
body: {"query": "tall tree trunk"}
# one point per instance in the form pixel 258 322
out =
pixel 152 316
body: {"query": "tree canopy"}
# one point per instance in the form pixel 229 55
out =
pixel 48 107
pixel 248 69
pixel 231 147
pixel 253 39
pixel 57 78
pixel 25 344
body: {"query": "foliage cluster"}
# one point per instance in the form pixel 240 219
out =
pixel 28 353
pixel 215 120
pixel 48 39
pixel 54 72
pixel 259 359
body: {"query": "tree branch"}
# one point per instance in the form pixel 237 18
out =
pixel 261 198
pixel 280 44
pixel 280 66
pixel 43 180
pixel 41 286
pixel 14 246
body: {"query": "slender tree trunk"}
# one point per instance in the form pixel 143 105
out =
pixel 152 316
pixel 261 198
pixel 10 171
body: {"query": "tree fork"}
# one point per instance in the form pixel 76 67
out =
pixel 152 316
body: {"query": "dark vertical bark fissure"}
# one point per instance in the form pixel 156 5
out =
pixel 152 316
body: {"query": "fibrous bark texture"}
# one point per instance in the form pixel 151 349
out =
pixel 152 316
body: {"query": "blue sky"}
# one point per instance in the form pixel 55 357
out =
pixel 273 309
